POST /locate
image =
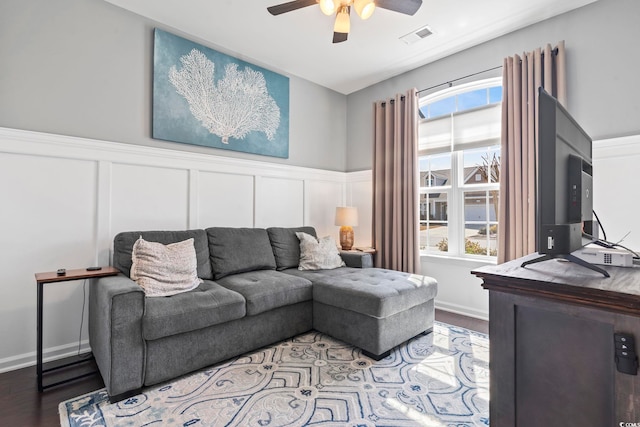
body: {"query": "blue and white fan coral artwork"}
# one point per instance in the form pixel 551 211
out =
pixel 204 97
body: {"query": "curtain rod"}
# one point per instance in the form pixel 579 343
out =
pixel 450 82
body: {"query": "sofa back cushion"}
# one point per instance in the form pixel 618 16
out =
pixel 286 246
pixel 237 250
pixel 123 248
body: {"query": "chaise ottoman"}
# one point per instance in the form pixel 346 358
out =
pixel 372 308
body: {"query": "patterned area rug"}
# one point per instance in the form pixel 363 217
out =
pixel 439 379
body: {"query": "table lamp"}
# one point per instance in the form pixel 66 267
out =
pixel 346 218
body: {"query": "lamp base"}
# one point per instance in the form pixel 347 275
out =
pixel 346 237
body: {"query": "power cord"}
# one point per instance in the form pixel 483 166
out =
pixel 604 233
pixel 610 245
pixel 84 301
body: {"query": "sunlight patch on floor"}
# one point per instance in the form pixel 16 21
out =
pixel 423 419
pixel 441 369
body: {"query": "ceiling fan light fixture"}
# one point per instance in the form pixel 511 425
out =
pixel 342 9
pixel 364 8
pixel 328 7
pixel 342 24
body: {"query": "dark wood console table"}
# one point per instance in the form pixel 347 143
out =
pixel 552 353
pixel 53 277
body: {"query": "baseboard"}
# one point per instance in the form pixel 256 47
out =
pixel 463 310
pixel 50 354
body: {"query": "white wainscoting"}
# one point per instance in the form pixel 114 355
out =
pixel 64 198
pixel 616 200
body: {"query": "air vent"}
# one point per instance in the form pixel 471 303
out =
pixel 417 35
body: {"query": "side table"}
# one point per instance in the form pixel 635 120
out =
pixel 359 257
pixel 53 277
pixel 364 250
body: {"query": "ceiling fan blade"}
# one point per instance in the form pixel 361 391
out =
pixel 408 7
pixel 290 6
pixel 340 37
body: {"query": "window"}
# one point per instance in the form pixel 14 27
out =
pixel 459 160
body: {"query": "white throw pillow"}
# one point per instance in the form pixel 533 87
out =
pixel 163 270
pixel 318 254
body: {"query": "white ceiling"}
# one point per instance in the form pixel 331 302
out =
pixel 299 43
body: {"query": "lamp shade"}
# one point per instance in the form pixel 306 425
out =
pixel 347 215
pixel 364 8
pixel 342 24
pixel 328 7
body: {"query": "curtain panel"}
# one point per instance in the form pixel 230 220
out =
pixel 395 183
pixel 522 76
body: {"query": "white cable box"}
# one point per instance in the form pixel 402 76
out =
pixel 605 256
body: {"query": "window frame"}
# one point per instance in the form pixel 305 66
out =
pixel 456 189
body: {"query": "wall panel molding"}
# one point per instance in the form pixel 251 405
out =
pixel 615 165
pixel 616 147
pixel 74 217
pixel 124 187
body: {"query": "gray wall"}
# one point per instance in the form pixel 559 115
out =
pixel 84 68
pixel 603 60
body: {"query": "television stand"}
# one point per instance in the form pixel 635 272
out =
pixel 553 355
pixel 568 257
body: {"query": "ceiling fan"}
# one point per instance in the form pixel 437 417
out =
pixel 342 9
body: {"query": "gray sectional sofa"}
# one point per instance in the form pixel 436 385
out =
pixel 252 295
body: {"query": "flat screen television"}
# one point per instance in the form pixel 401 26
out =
pixel 564 190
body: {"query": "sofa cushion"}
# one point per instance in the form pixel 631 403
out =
pixel 286 245
pixel 123 248
pixel 267 289
pixel 237 250
pixel 374 291
pixel 207 305
pixel 318 254
pixel 164 270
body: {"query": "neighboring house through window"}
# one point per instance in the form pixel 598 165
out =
pixel 459 157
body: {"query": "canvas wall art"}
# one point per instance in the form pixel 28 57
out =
pixel 204 97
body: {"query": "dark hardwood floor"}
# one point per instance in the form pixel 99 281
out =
pixel 463 321
pixel 21 405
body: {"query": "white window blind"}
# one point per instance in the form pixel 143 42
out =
pixel 461 130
